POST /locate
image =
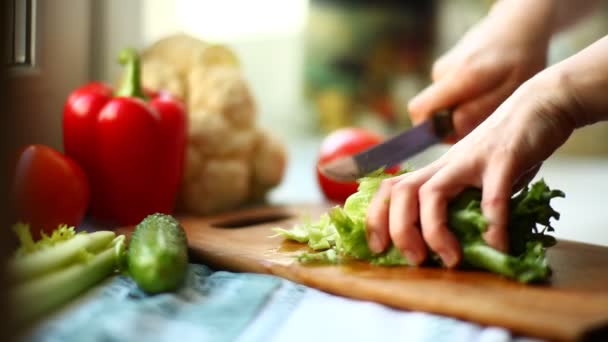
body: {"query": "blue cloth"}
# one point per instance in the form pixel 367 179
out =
pixel 244 307
pixel 211 306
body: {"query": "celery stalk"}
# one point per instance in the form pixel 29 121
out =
pixel 57 256
pixel 42 294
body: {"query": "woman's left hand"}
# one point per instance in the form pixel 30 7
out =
pixel 411 209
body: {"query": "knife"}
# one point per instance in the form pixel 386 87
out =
pixel 392 151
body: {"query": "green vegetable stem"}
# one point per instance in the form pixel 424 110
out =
pixel 48 260
pixel 52 271
pixel 131 84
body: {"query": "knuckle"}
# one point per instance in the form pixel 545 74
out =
pixel 494 200
pixel 473 66
pixel 387 183
pixel 404 186
pixel 504 157
pixel 504 152
pixel 428 190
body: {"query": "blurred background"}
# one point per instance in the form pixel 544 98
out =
pixel 312 65
pixel 322 64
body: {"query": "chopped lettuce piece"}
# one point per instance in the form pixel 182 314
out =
pixel 328 256
pixel 318 235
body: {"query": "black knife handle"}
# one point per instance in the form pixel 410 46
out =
pixel 443 124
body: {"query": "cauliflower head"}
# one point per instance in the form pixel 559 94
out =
pixel 230 162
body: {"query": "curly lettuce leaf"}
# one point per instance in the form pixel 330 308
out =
pixel 27 245
pixel 343 230
pixel 350 221
pixel 318 235
pixel 529 209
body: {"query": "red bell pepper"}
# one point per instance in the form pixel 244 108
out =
pixel 48 189
pixel 131 147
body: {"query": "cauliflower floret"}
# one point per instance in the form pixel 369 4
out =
pixel 229 161
pixel 268 164
pixel 158 75
pixel 193 164
pixel 213 135
pixel 219 185
pixel 221 89
pixel 181 50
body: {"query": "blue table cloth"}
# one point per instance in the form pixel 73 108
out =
pixel 225 306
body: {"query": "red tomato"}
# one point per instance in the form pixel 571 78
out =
pixel 49 189
pixel 344 142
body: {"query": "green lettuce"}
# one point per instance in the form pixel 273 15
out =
pixel 340 234
pixel 26 240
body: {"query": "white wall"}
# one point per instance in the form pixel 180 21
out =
pixel 266 35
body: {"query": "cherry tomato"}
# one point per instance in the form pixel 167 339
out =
pixel 344 142
pixel 48 189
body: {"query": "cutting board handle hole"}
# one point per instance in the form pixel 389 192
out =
pixel 249 220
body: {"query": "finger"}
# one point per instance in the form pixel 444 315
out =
pixel 448 61
pixel 470 114
pixel 377 216
pixel 403 215
pixel 496 193
pixel 441 67
pixel 433 198
pixel 456 87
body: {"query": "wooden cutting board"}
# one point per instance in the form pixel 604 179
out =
pixel 573 306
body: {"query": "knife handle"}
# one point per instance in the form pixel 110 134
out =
pixel 443 124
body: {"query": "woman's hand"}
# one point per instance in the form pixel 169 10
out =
pixel 411 209
pixel 494 58
pixel 507 148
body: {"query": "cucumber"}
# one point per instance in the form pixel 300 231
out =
pixel 158 254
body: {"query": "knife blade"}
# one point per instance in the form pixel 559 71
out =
pixel 392 151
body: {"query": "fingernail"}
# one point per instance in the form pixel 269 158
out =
pixel 449 259
pixel 412 257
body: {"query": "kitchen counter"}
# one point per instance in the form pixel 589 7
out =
pixel 228 306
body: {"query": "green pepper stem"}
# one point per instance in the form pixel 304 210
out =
pixel 131 83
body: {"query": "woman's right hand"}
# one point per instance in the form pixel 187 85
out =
pixel 494 58
pixel 411 209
